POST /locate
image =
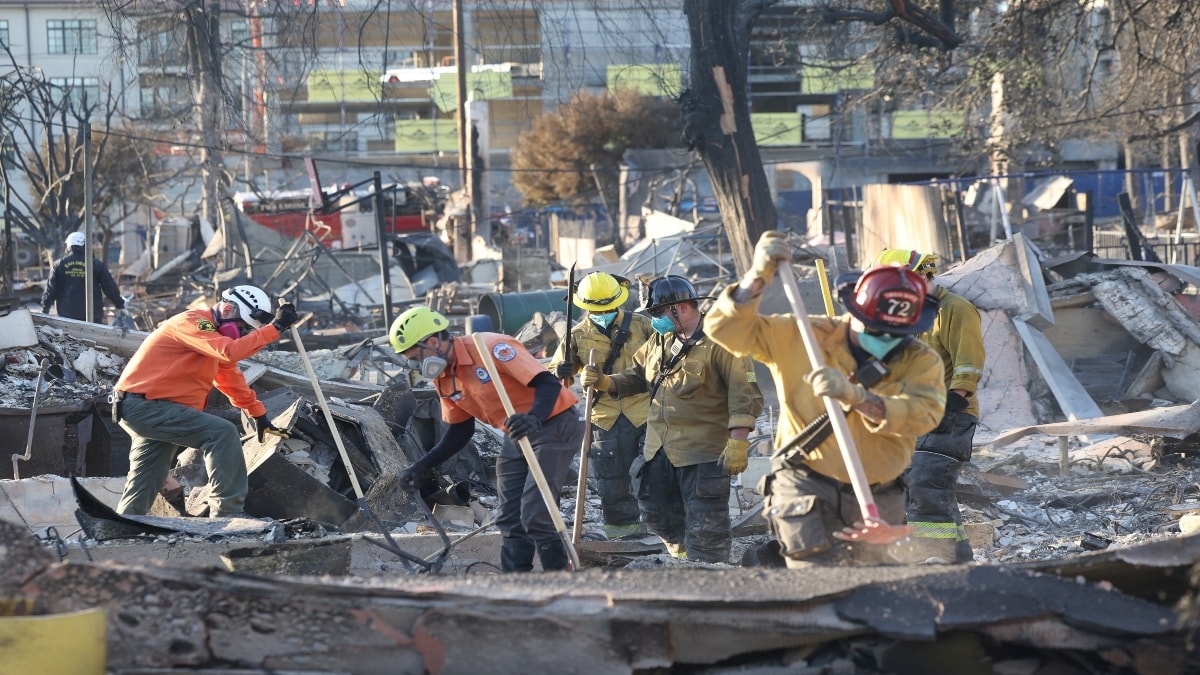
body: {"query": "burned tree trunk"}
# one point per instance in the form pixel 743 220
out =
pixel 716 113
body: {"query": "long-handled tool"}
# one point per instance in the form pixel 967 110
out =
pixel 570 318
pixel 37 392
pixel 589 399
pixel 535 469
pixel 341 446
pixel 874 530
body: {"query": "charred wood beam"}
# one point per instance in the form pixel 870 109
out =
pixel 716 114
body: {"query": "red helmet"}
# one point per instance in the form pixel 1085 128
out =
pixel 888 299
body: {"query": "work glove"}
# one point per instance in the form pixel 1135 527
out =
pixel 285 316
pixel 408 478
pixel 831 382
pixel 954 405
pixel 772 248
pixel 263 426
pixel 564 371
pixel 592 376
pixel 520 425
pixel 733 458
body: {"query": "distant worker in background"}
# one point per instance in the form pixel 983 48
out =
pixel 163 390
pixel 67 284
pixel 932 505
pixel 618 425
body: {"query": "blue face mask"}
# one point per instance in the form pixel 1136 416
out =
pixel 603 320
pixel 878 345
pixel 663 325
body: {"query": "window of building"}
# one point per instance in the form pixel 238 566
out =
pixel 3 34
pixel 75 89
pixel 71 36
pixel 8 153
pixel 239 34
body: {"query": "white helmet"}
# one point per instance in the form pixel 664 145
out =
pixel 76 239
pixel 249 300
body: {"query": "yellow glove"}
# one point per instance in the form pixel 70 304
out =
pixel 733 457
pixel 772 248
pixel 591 376
pixel 833 383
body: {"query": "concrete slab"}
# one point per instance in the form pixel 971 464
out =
pixel 366 559
pixel 47 501
pixel 16 330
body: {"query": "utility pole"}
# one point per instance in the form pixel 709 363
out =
pixel 480 148
pixel 463 228
pixel 88 271
pixel 385 263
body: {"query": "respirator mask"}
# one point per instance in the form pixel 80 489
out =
pixel 603 320
pixel 878 345
pixel 662 324
pixel 227 317
pixel 429 366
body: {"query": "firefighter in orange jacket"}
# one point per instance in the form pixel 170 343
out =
pixel 160 396
pixel 550 421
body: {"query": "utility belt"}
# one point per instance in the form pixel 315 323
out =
pixel 115 399
pixel 809 472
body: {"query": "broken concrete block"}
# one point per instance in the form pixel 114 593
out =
pixel 981 535
pixel 462 517
pixel 85 364
pixel 1190 524
pixel 16 330
pixel 46 501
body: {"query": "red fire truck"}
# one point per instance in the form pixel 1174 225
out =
pixel 291 212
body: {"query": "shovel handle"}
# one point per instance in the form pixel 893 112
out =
pixel 841 430
pixel 535 469
pixel 337 437
pixel 589 396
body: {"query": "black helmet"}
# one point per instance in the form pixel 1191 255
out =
pixel 665 291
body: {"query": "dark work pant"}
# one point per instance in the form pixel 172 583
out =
pixel 688 505
pixel 932 505
pixel 613 450
pixel 160 429
pixel 524 523
pixel 804 509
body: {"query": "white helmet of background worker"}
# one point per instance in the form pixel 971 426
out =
pixel 76 239
pixel 253 304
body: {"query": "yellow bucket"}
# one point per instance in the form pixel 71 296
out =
pixel 53 644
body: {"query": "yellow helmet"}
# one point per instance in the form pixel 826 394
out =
pixel 600 292
pixel 414 325
pixel 924 264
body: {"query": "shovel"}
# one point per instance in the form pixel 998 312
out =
pixel 37 392
pixel 873 529
pixel 535 469
pixel 358 491
pixel 589 396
